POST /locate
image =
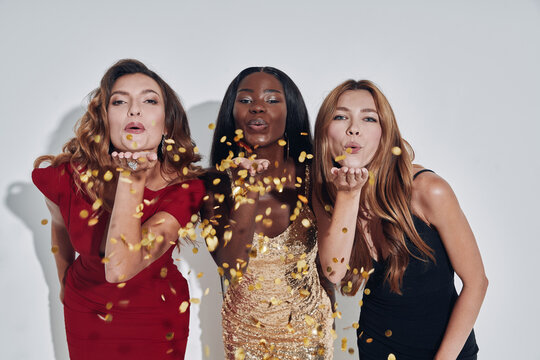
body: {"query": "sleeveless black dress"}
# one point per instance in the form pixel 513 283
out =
pixel 411 326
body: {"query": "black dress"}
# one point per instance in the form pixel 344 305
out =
pixel 411 326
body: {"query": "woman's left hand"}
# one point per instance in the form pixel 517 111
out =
pixel 134 162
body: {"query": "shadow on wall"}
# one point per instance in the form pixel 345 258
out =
pixel 27 203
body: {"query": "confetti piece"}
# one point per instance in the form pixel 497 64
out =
pixel 239 354
pixel 388 333
pixel 369 340
pixel 223 139
pixel 367 291
pixel 391 356
pixel 282 142
pixel 44 222
pixel 54 249
pixel 195 250
pixel 302 157
pixel 97 139
pixel 182 149
pixel 396 151
pixel 109 305
pixel 108 176
pixel 306 223
pixel 176 157
pixel 348 150
pixel 183 307
pixel 199 275
pixel 206 351
pixel 92 221
pixel 216 181
pixel 168 147
pixel 339 158
pixel 344 344
pixel 121 285
pixel 106 318
pixel 83 214
pixel 169 336
pixel 163 272
pixel 211 126
pixel 344 230
pixel 195 301
pixel 97 204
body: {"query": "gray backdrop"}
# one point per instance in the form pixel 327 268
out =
pixel 462 77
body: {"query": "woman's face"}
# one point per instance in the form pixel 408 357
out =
pixel 136 113
pixel 260 110
pixel 354 130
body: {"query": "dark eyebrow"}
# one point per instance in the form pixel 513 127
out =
pixel 266 91
pixel 121 92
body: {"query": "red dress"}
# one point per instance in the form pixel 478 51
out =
pixel 140 320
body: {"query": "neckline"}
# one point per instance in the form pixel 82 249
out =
pixel 168 186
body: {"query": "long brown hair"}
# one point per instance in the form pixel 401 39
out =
pixel 88 152
pixel 386 197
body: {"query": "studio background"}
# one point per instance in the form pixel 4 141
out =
pixel 462 77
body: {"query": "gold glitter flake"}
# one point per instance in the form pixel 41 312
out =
pixel 391 356
pixel 109 305
pixel 195 301
pixel 108 176
pixel 97 204
pixel 239 354
pixel 344 344
pixel 344 230
pixel 339 158
pixel 282 142
pixel 396 151
pixel 54 249
pixel 388 333
pixel 216 181
pixel 211 126
pixel 92 221
pixel 44 222
pixel 306 223
pixel 83 214
pixel 169 336
pixel 183 307
pixel 367 291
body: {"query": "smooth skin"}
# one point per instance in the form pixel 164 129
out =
pixel 136 98
pixel 433 201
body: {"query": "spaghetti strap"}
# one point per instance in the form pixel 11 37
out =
pixel 421 171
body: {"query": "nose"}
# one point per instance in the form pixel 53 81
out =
pixel 134 110
pixel 353 130
pixel 257 107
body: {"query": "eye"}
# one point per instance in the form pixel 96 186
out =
pixel 117 102
pixel 370 119
pixel 340 117
pixel 244 100
pixel 151 101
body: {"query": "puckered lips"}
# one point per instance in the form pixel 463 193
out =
pixel 354 146
pixel 257 125
pixel 134 127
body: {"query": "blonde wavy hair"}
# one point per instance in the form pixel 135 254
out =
pixel 386 197
pixel 88 153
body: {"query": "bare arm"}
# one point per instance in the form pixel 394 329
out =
pixel 63 251
pixel 434 199
pixel 234 224
pixel 336 235
pixel 130 245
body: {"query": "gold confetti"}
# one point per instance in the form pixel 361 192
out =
pixel 106 318
pixel 223 139
pixel 109 305
pixel 97 139
pixel 344 344
pixel 195 150
pixel 348 150
pixel 306 223
pixel 182 149
pixel 108 176
pixel 183 307
pixel 340 157
pixel 367 291
pixel 44 222
pixel 195 250
pixel 134 145
pixel 211 126
pixel 129 137
pixel 391 356
pixel 216 181
pixel 388 333
pixel 97 204
pixel 195 301
pixel 121 285
pixel 168 147
pixel 355 325
pixel 360 303
pixel 344 230
pixel 206 351
pixel 351 351
pixel 239 354
pixel 282 142
pixel 83 214
pixel 302 157
pixel 369 340
pixel 258 218
pixel 396 151
pixel 176 157
pixel 92 221
pixel 303 199
pixel 163 272
pixel 169 336
pixel 54 249
pixel 199 275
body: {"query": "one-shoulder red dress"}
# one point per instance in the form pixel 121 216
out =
pixel 142 319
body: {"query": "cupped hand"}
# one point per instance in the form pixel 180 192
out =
pixel 254 167
pixel 349 179
pixel 136 161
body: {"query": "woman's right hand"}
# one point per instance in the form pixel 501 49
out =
pixel 349 179
pixel 254 167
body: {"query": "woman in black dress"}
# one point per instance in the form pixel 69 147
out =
pixel 397 226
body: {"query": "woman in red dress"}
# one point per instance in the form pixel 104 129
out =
pixel 119 194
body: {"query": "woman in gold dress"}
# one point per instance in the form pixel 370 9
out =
pixel 259 225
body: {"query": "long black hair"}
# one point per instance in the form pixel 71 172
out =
pixel 297 127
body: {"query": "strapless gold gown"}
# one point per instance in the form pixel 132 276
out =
pixel 278 309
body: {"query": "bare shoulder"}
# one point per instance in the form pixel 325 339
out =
pixel 430 194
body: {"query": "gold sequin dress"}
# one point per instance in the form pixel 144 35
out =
pixel 278 309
